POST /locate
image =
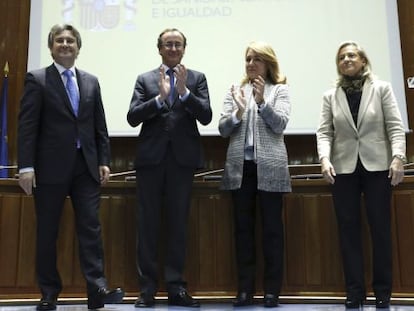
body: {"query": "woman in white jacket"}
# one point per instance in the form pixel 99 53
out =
pixel 255 116
pixel 361 147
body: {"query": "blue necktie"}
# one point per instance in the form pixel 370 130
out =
pixel 170 72
pixel 72 90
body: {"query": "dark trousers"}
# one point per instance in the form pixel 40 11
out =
pixel 167 185
pixel 270 204
pixel 376 188
pixel 49 201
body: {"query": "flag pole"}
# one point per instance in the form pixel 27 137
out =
pixel 6 69
pixel 3 124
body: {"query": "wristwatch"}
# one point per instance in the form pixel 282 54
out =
pixel 401 157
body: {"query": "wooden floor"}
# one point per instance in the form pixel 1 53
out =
pixel 206 305
pixel 213 306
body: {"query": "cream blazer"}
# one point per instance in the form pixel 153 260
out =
pixel 377 137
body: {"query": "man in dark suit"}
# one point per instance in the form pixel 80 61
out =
pixel 168 102
pixel 63 149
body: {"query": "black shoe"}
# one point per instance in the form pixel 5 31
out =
pixel 183 299
pixel 382 303
pixel 353 303
pixel 270 301
pixel 104 295
pixel 145 301
pixel 47 303
pixel 243 299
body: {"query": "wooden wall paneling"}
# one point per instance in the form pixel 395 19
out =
pixel 225 266
pixel 67 248
pixel 406 17
pixel 312 237
pixel 403 202
pixel 403 242
pixel 113 213
pixel 122 153
pixel 131 276
pixel 25 272
pixel 210 248
pixel 294 223
pixel 203 242
pixel 331 253
pixel 194 253
pixel 312 265
pixel 9 238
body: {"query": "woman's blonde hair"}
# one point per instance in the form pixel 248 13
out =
pixel 265 52
pixel 365 71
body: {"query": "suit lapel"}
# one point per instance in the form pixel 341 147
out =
pixel 57 84
pixel 83 86
pixel 343 104
pixel 367 93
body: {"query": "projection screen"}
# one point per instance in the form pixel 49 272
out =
pixel 119 42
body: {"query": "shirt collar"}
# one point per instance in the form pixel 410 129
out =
pixel 61 69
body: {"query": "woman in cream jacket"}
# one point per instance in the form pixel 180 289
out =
pixel 361 147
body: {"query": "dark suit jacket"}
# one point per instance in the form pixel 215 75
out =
pixel 173 124
pixel 48 128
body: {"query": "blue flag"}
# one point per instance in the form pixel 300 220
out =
pixel 3 128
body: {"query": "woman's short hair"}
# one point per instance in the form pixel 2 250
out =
pixel 366 70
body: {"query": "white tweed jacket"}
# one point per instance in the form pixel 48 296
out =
pixel 270 150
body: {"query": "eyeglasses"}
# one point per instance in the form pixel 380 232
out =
pixel 170 45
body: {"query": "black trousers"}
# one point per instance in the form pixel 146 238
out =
pixel 165 186
pixel 376 190
pixel 270 204
pixel 49 202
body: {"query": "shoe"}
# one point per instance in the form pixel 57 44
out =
pixel 243 299
pixel 270 301
pixel 352 303
pixel 47 303
pixel 182 299
pixel 104 295
pixel 145 301
pixel 382 303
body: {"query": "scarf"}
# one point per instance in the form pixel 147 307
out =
pixel 352 85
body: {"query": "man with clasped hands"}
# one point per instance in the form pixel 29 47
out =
pixel 167 101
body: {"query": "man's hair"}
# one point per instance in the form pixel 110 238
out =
pixel 159 42
pixel 58 29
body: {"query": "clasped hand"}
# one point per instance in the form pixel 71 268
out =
pixel 180 75
pixel 258 86
pixel 240 100
pixel 258 89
